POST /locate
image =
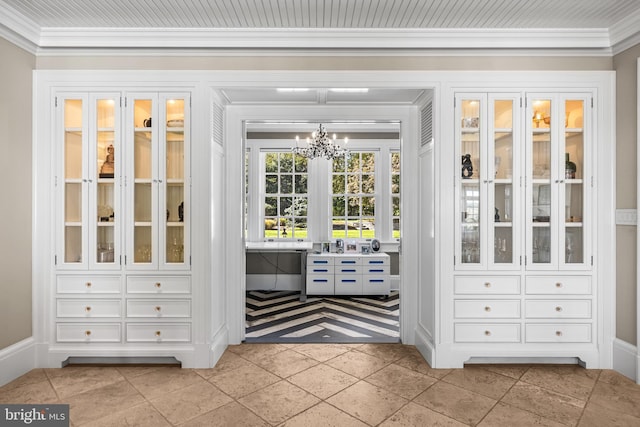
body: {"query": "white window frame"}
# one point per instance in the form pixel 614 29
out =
pixel 319 190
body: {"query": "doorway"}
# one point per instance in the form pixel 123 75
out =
pixel 294 201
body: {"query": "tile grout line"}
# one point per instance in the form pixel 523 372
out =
pixel 586 403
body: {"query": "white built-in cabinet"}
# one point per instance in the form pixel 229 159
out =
pixel 524 284
pixel 122 224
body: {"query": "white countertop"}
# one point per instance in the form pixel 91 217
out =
pixel 279 246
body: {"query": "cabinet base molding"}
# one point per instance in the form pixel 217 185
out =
pixel 59 356
pixel 424 344
pixel 17 360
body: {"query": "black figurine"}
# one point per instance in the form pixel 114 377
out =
pixel 181 212
pixel 497 216
pixel 467 166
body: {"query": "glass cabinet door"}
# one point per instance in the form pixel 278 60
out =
pixel 159 196
pixel 72 244
pixel 105 206
pixel 503 195
pixel 470 114
pixel 557 203
pixel 487 199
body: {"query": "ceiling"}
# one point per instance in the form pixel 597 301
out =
pixel 598 25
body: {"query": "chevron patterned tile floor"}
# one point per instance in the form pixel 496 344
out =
pixel 281 317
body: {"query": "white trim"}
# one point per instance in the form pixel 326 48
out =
pixel 327 38
pixel 626 360
pixel 625 31
pixel 17 360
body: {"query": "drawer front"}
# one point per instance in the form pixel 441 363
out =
pixel 561 333
pixel 319 260
pixel 320 284
pixel 486 332
pixel 558 309
pixel 144 332
pixel 376 285
pixel 489 309
pixel 348 269
pixel 159 285
pixel 88 332
pixel 467 285
pixel 375 269
pixel 567 285
pixel 88 285
pixel 348 285
pixel 373 260
pixel 158 308
pixel 88 308
pixel 320 269
pixel 348 260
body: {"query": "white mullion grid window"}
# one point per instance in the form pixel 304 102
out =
pixel 284 195
pixel 394 191
pixel 354 187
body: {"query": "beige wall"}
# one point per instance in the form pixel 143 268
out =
pixel 15 192
pixel 626 68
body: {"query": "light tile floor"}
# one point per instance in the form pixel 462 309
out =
pixel 332 385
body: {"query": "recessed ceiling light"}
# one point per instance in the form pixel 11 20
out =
pixel 350 89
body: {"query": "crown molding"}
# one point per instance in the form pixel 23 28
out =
pixel 324 38
pixel 18 40
pixel 626 28
pixel 22 27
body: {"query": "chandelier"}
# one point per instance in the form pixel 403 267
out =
pixel 320 145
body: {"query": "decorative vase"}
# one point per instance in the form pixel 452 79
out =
pixel 569 168
pixel 467 166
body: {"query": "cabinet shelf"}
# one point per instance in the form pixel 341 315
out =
pixel 573 224
pixel 106 223
pixel 470 181
pixel 142 223
pixel 142 180
pixel 175 224
pixel 573 181
pixel 503 130
pixel 503 181
pixel 541 224
pixel 503 224
pixel 73 224
pixel 175 181
pixel 106 180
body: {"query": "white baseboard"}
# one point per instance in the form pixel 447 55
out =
pixel 219 344
pixel 424 344
pixel 626 359
pixel 17 360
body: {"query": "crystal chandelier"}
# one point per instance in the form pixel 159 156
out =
pixel 320 145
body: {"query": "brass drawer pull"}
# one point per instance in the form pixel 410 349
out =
pixel 558 285
pixel 87 308
pixel 158 285
pixel 158 308
pixel 558 309
pixel 487 284
pixel 487 309
pixel 88 284
pixel 487 333
pixel 158 333
pixel 558 333
pixel 87 333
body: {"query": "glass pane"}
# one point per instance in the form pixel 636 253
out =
pixel 396 228
pixel 339 206
pixel 368 162
pixel 395 184
pixel 368 206
pixel 175 245
pixel 574 247
pixel 503 139
pixel 73 243
pixel 285 206
pixel 470 139
pixel 301 184
pixel 502 197
pixel 301 164
pixel 338 184
pixel 271 162
pixel 105 189
pixel 142 113
pixel 395 201
pixel 105 223
pixel 286 162
pixel 503 246
pixel 353 184
pixel 470 222
pixel 395 162
pixel 541 245
pixel 574 140
pixel 286 184
pixel 338 164
pixel 73 155
pixel 353 163
pixel 142 244
pixel 541 160
pixel 271 184
pixel 270 228
pixel 270 206
pixel 368 184
pixel 353 206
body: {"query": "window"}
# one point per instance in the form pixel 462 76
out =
pixel 353 196
pixel 285 196
pixel 395 193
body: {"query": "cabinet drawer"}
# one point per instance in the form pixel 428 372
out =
pixel 490 309
pixel 486 332
pixel 158 308
pixel 88 332
pixel 320 284
pixel 144 332
pixel 88 308
pixel 348 260
pixel 565 285
pixel 375 269
pixel 508 285
pixel 348 269
pixel 348 285
pixel 375 260
pixel 320 269
pixel 562 333
pixel 319 260
pixel 88 285
pixel 558 309
pixel 375 285
pixel 158 285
